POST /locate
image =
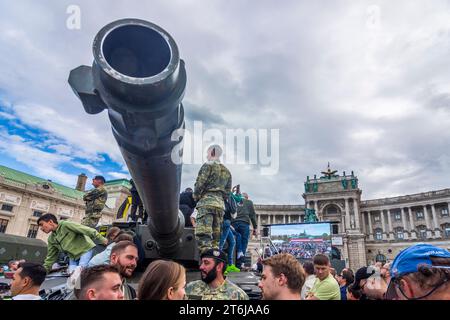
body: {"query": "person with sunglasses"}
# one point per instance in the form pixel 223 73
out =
pixel 370 283
pixel 344 278
pixel 420 272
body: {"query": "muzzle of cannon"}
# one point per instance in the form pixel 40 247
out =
pixel 138 77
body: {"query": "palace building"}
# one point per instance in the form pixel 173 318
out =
pixel 24 198
pixel 363 231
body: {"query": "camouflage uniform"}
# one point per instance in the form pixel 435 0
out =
pixel 213 183
pixel 227 291
pixel 95 202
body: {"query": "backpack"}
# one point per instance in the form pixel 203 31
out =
pixel 231 206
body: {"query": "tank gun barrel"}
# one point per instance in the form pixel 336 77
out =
pixel 138 77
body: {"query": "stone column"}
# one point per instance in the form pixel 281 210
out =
pixel 391 233
pixel 370 226
pixel 269 219
pixel 289 218
pixel 411 224
pixel 437 232
pixel 405 233
pixel 284 218
pixel 383 224
pixel 356 212
pixel 427 221
pixel 259 224
pixel 347 215
pixel 316 209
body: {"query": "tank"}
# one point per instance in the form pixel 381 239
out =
pixel 138 77
pixel 14 247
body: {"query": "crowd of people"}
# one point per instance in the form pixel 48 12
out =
pixel 220 215
pixel 304 250
pixel 418 272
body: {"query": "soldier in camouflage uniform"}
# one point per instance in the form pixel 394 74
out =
pixel 95 202
pixel 213 285
pixel 212 185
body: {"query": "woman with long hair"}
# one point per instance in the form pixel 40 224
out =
pixel 163 280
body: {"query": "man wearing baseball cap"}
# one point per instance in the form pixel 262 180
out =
pixel 95 202
pixel 361 279
pixel 420 272
pixel 213 285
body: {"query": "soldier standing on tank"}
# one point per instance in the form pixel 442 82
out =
pixel 136 203
pixel 212 186
pixel 95 202
pixel 213 285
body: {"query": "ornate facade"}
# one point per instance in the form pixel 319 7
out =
pixel 24 198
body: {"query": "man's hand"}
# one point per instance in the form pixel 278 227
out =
pixel 311 296
pixel 105 243
pixel 255 232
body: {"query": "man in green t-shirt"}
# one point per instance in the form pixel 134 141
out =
pixel 325 287
pixel 74 239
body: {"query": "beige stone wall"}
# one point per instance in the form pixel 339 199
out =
pixel 25 200
pixel 390 250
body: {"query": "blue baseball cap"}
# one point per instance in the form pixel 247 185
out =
pixel 409 261
pixel 411 258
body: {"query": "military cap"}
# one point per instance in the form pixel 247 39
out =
pixel 100 178
pixel 216 254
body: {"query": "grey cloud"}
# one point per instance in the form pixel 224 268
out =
pixel 370 100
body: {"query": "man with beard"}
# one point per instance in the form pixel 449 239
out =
pixel 124 256
pixel 213 285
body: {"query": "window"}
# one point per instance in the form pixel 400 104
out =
pixel 335 228
pixel 7 207
pixel 376 218
pixel 397 216
pixel 32 232
pixel 332 210
pixel 419 215
pixel 422 232
pixel 37 214
pixel 447 231
pixel 378 234
pixel 3 225
pixel 444 212
pixel 399 234
pixel 446 228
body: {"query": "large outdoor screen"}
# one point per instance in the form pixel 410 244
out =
pixel 302 240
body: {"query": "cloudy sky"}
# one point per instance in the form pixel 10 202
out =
pixel 361 84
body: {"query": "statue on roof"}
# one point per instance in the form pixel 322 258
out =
pixel 329 173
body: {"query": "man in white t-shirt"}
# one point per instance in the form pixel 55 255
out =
pixel 27 281
pixel 310 279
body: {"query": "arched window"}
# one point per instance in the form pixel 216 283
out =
pixel 378 234
pixel 332 209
